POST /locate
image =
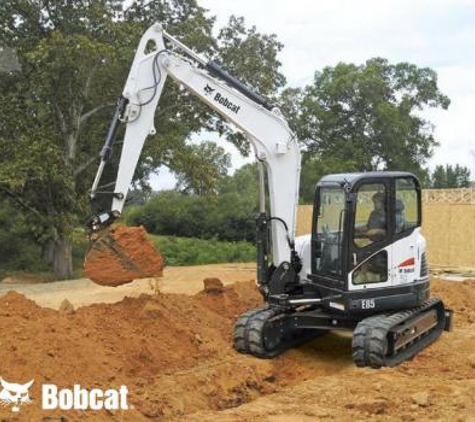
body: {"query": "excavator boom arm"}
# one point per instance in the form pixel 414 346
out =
pixel 273 142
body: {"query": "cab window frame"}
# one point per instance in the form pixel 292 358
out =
pixel 337 188
pixel 408 231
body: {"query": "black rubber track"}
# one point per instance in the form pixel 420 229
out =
pixel 370 338
pixel 255 331
pixel 240 341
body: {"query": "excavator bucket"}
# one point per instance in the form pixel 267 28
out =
pixel 120 255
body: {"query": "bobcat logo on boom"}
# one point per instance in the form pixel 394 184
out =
pixel 219 98
pixel 16 394
pixel 208 90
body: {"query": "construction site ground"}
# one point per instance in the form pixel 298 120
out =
pixel 170 343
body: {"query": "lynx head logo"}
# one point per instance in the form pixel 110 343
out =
pixel 15 394
pixel 208 90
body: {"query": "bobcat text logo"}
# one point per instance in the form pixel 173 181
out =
pixel 15 394
pixel 81 399
pixel 208 90
pixel 226 103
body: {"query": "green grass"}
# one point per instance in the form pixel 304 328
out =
pixel 191 251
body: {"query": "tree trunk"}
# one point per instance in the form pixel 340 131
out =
pixel 47 252
pixel 63 258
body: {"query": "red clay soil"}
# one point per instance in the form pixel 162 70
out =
pixel 150 344
pixel 437 385
pixel 213 285
pixel 121 255
pixel 174 353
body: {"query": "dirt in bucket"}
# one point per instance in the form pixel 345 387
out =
pixel 121 255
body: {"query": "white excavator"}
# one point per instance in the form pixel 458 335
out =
pixel 363 268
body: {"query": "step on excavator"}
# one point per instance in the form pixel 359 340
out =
pixel 362 269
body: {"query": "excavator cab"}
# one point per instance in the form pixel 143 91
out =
pixel 366 240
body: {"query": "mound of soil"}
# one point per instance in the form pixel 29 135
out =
pixel 437 384
pixel 150 344
pixel 174 353
pixel 121 255
pixel 460 296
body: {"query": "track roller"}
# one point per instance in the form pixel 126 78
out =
pixel 263 333
pixel 389 339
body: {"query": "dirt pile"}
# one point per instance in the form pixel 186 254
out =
pixel 213 285
pixel 174 353
pixel 121 255
pixel 438 384
pixel 460 296
pixel 150 344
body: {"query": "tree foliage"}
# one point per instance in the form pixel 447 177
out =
pixel 206 164
pixel 74 57
pixel 227 216
pixel 367 117
pixel 19 250
pixel 450 177
pixel 71 60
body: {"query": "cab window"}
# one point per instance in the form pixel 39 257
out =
pixel 374 270
pixel 371 218
pixel 407 205
pixel 329 231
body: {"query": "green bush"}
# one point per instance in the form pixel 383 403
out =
pixel 229 217
pixel 80 247
pixel 189 251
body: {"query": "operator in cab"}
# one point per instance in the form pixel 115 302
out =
pixel 375 228
pixel 377 219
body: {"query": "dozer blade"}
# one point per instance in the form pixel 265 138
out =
pixel 120 255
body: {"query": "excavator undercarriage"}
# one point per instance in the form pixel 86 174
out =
pixel 380 340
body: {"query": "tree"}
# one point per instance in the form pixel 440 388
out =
pixel 450 177
pixel 313 169
pixel 205 165
pixel 74 58
pixel 19 251
pixel 367 117
pixel 8 60
pixel 228 215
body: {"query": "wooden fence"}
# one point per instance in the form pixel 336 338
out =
pixel 448 223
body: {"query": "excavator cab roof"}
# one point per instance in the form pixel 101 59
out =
pixel 351 179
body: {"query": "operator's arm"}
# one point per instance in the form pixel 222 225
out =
pixel 374 229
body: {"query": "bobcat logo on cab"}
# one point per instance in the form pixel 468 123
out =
pixel 15 394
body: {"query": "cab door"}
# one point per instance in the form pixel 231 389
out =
pixel 407 219
pixel 370 251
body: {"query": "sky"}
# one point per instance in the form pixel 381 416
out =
pixel 316 33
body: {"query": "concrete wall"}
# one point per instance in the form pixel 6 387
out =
pixel 448 223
